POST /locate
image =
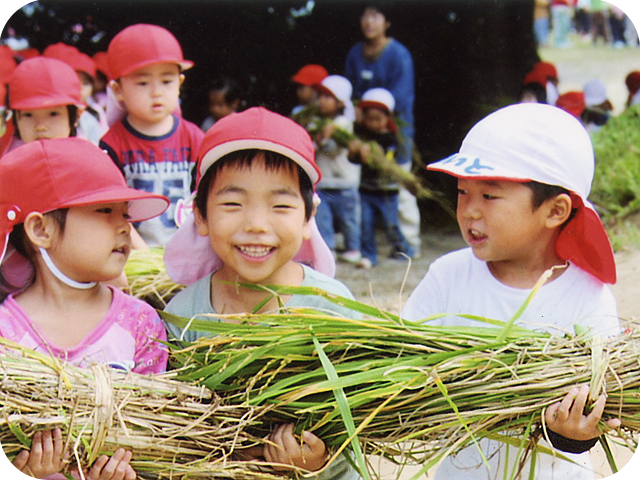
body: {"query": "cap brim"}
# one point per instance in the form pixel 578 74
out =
pixel 184 65
pixel 142 205
pixel 225 148
pixel 469 166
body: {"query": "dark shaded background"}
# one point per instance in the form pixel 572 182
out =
pixel 470 55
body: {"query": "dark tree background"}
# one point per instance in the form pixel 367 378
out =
pixel 470 55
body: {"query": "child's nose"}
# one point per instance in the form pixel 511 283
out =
pixel 256 220
pixel 469 209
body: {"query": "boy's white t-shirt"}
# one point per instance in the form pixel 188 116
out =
pixel 459 283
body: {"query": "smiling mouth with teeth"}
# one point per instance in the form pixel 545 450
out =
pixel 255 251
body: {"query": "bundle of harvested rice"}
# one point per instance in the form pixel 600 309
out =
pixel 389 382
pixel 174 430
pixel 148 279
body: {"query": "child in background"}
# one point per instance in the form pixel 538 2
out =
pixel 572 102
pixel 253 217
pixel 58 247
pixel 598 107
pixel 101 80
pixel 305 79
pixel 155 149
pixel 632 81
pixel 93 121
pixel 44 96
pixel 224 98
pixel 338 189
pixel 378 191
pixel 524 174
pixel 550 73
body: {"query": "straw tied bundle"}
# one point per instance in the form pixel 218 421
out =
pixel 396 388
pixel 175 430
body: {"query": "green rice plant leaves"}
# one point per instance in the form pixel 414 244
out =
pixel 345 411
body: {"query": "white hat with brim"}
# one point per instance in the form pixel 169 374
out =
pixel 542 143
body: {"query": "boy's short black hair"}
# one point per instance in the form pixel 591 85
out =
pixel 244 158
pixel 18 240
pixel 72 110
pixel 543 192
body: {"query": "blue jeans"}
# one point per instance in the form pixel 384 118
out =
pixel 384 206
pixel 339 208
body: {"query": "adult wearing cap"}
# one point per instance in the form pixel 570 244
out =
pixel 382 61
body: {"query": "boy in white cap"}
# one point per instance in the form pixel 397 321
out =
pixel 155 148
pixel 378 191
pixel 524 174
pixel 338 189
pixel 252 223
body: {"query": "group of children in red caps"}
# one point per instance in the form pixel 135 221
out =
pixel 67 208
pixel 590 105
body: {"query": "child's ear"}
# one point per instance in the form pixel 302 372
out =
pixel 116 89
pixel 306 230
pixel 40 229
pixel 181 78
pixel 559 210
pixel 201 224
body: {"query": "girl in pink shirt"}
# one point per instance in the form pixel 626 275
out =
pixel 65 213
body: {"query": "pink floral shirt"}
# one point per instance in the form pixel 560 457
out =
pixel 125 338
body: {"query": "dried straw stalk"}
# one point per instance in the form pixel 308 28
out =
pixel 174 430
pixel 148 279
pixel 425 390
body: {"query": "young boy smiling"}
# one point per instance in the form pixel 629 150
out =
pixel 524 175
pixel 155 149
pixel 253 223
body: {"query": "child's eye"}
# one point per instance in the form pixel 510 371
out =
pixel 461 191
pixel 105 210
pixel 488 196
pixel 231 204
pixel 126 216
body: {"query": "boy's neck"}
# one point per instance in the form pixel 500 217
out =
pixel 525 274
pixel 229 297
pixel 151 129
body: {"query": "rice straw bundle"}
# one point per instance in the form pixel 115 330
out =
pixel 398 382
pixel 174 430
pixel 148 279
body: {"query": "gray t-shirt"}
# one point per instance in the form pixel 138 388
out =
pixel 196 299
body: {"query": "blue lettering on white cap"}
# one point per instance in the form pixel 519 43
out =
pixel 475 168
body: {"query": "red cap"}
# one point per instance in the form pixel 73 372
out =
pixel 262 129
pixel 72 57
pixel 310 75
pixel 535 76
pixel 102 64
pixel 42 82
pixel 572 102
pixel 633 82
pixel 140 45
pixel 547 69
pixel 45 175
pixel 7 64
